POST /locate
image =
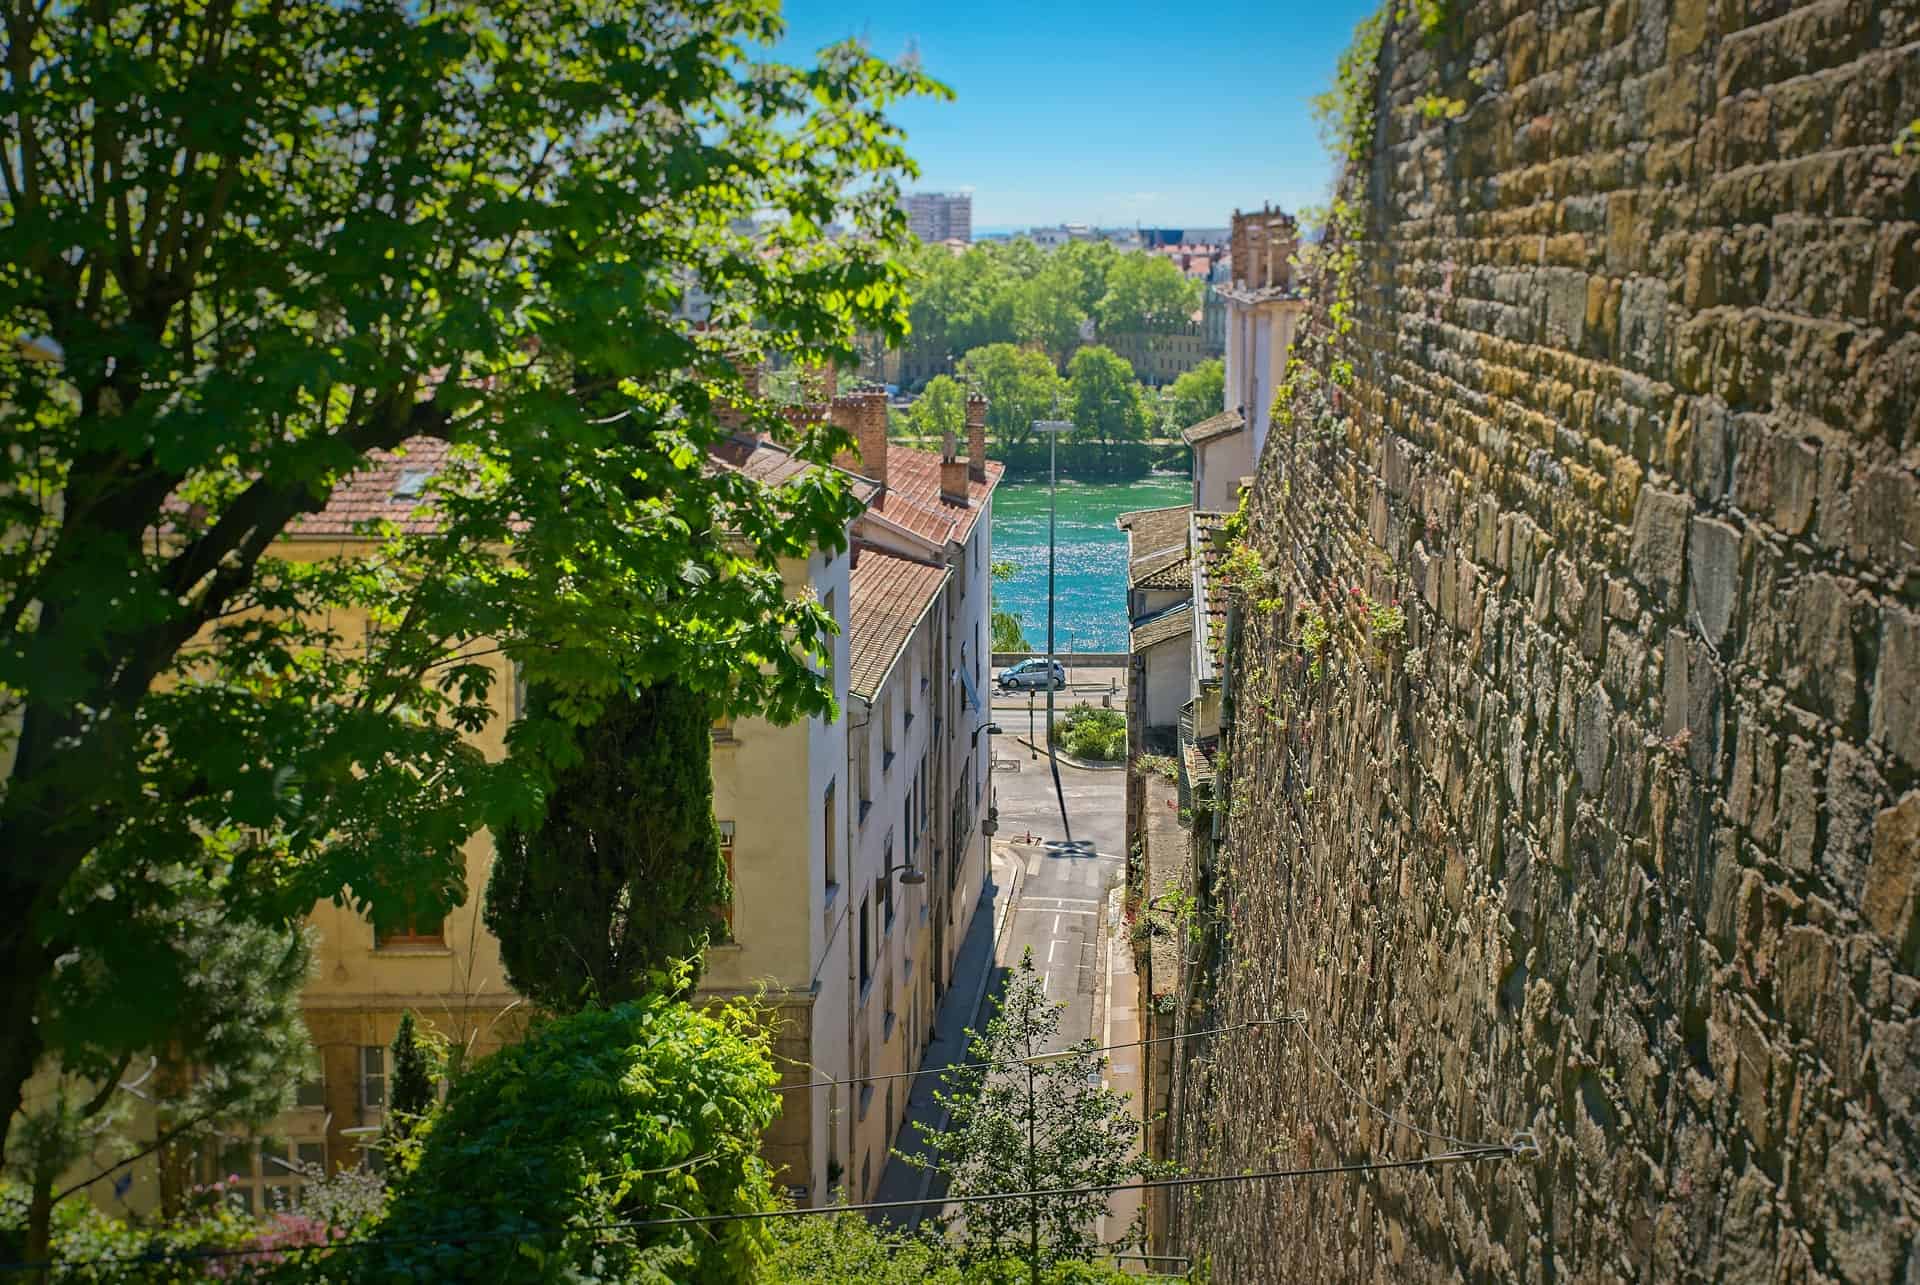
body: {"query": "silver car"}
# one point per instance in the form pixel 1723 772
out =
pixel 1031 675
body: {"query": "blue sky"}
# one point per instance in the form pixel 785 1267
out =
pixel 1165 115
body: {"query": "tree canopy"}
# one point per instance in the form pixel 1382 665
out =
pixel 1147 292
pixel 1000 292
pixel 1196 395
pixel 1020 385
pixel 623 876
pixel 256 245
pixel 1107 405
pixel 940 409
pixel 646 1110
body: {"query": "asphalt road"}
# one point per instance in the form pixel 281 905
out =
pixel 1057 913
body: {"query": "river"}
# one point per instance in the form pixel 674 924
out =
pixel 1090 579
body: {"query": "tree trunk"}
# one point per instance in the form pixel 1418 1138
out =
pixel 40 1223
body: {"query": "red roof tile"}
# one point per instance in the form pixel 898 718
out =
pixel 913 476
pixel 886 597
pixel 387 489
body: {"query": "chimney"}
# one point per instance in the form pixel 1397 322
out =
pixel 872 419
pixel 730 416
pixel 977 438
pixel 844 412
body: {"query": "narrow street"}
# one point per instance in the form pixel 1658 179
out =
pixel 1059 909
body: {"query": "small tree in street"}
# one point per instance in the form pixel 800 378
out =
pixel 1008 633
pixel 1025 1117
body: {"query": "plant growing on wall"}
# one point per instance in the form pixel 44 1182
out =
pixel 623 876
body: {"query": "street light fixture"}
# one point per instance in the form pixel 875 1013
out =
pixel 910 874
pixel 1053 428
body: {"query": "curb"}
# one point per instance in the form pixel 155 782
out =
pixel 1005 913
pixel 1085 765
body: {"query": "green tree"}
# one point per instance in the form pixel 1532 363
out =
pixel 1107 405
pixel 1196 395
pixel 1020 385
pixel 940 409
pixel 1147 292
pixel 218 1044
pixel 650 1109
pixel 624 875
pixel 1047 310
pixel 255 245
pixel 1027 1116
pixel 1008 633
pixel 411 1092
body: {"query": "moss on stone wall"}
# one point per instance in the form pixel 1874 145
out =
pixel 1618 842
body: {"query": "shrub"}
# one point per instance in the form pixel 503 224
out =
pixel 1091 732
pixel 649 1109
pixel 93 1247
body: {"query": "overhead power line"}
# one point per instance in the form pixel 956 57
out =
pixel 1038 1057
pixel 1521 1146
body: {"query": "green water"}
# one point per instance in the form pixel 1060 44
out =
pixel 1090 576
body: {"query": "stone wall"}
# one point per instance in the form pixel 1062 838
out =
pixel 1616 842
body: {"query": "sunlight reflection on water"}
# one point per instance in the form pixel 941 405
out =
pixel 1091 567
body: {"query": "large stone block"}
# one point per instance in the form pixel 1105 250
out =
pixel 1713 578
pixel 1658 554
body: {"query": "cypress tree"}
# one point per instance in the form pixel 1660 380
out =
pixel 624 874
pixel 410 1090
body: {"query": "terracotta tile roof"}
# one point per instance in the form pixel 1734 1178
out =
pixel 389 489
pixel 1164 626
pixel 886 597
pixel 1225 424
pixel 1156 543
pixel 775 465
pixel 1209 594
pixel 913 476
pixel 1167 571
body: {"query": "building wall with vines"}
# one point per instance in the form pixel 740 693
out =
pixel 1573 760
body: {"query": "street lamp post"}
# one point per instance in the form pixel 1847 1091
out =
pixel 1053 428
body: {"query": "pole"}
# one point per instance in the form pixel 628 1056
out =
pixel 1033 1184
pixel 1053 492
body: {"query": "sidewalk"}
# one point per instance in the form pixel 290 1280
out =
pixel 975 972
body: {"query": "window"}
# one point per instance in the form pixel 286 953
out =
pixel 726 855
pixel 906 686
pixel 906 826
pixel 887 1024
pixel 311 1091
pixel 886 732
pixel 830 826
pixel 373 1076
pixel 263 1175
pixel 409 928
pixel 886 893
pixel 866 946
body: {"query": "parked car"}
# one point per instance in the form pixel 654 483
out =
pixel 1031 675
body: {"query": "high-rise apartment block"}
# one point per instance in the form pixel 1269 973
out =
pixel 940 216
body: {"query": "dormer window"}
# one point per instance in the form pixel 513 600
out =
pixel 412 482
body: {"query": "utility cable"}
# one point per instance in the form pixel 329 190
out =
pixel 1038 1057
pixel 1520 1147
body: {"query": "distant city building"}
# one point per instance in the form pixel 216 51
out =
pixel 940 216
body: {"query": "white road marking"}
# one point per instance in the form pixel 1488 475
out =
pixel 1067 901
pixel 1048 910
pixel 1056 921
pixel 1051 947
